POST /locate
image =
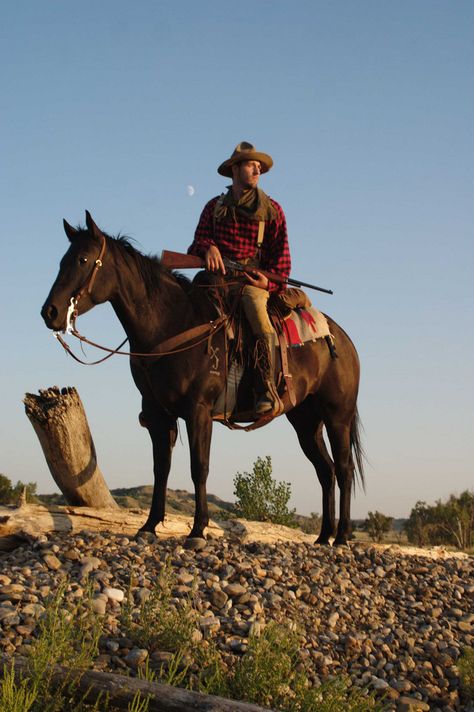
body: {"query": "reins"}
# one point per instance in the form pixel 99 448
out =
pixel 173 345
pixel 170 346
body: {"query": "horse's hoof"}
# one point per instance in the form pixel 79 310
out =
pixel 195 543
pixel 340 542
pixel 322 542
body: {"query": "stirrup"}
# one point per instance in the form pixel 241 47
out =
pixel 265 404
pixel 269 402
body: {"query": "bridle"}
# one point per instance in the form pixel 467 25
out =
pixel 173 345
pixel 72 314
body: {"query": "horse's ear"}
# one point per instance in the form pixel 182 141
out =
pixel 70 231
pixel 91 226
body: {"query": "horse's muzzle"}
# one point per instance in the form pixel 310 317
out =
pixel 50 316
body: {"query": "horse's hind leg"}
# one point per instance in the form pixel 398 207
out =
pixel 199 427
pixel 309 429
pixel 339 438
pixel 163 432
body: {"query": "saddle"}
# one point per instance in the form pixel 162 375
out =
pixel 295 321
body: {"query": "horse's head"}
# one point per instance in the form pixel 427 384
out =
pixel 80 283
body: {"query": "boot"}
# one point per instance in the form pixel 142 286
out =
pixel 268 400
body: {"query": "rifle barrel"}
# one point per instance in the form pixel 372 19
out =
pixel 297 283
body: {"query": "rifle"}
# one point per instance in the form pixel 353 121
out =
pixel 179 260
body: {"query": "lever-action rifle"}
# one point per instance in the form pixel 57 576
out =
pixel 179 260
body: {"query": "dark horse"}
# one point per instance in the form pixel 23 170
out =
pixel 153 305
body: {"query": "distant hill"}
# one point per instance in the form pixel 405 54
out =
pixel 182 502
pixel 177 501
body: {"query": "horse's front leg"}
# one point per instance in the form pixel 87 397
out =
pixel 199 427
pixel 163 432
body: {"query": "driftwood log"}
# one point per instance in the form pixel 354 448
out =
pixel 59 421
pixel 121 690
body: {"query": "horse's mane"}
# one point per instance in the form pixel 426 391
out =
pixel 149 267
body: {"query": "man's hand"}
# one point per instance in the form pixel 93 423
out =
pixel 257 279
pixel 213 260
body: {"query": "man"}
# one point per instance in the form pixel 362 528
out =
pixel 247 226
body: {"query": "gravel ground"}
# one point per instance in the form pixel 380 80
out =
pixel 395 622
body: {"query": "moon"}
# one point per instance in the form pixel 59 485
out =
pixel 190 189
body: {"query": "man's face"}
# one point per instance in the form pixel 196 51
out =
pixel 246 174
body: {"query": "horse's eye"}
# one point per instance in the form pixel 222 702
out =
pixel 83 260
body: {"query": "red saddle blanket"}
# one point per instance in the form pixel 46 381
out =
pixel 304 324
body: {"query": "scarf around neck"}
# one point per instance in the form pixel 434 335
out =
pixel 253 204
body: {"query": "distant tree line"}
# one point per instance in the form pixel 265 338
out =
pixel 450 522
pixel 10 494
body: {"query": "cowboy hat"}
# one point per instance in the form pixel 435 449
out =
pixel 244 151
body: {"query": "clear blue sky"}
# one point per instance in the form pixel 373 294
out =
pixel 367 110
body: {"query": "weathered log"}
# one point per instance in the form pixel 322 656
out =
pixel 121 690
pixel 60 422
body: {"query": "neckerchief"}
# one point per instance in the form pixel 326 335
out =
pixel 253 204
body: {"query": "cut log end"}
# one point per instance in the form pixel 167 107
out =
pixel 59 420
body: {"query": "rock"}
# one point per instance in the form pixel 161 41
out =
pixel 411 704
pixel 195 543
pixel 235 589
pixel 52 562
pixel 136 657
pixel 99 605
pixel 219 598
pixel 113 594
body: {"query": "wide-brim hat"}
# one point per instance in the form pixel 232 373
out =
pixel 244 151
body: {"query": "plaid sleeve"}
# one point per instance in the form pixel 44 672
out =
pixel 203 237
pixel 275 249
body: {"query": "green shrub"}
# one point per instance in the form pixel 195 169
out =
pixel 377 525
pixel 466 674
pixel 157 623
pixel 450 522
pixel 260 498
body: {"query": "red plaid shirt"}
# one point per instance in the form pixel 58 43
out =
pixel 238 240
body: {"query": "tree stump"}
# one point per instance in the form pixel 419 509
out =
pixel 59 421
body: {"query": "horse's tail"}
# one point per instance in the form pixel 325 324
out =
pixel 357 449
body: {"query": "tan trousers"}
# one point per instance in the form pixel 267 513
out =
pixel 254 304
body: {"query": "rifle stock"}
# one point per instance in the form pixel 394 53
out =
pixel 180 260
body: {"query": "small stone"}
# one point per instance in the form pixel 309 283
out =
pixel 114 594
pixel 52 562
pixel 235 589
pixel 195 543
pixel 411 704
pixel 209 625
pixel 99 605
pixel 112 646
pixel 219 599
pixel 184 579
pixel 136 657
pixel 333 618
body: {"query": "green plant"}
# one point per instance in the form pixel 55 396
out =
pixel 158 623
pixel 11 495
pixel 376 525
pixel 311 524
pixel 16 695
pixel 260 498
pixel 67 636
pixel 466 673
pixel 271 674
pixel 450 522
